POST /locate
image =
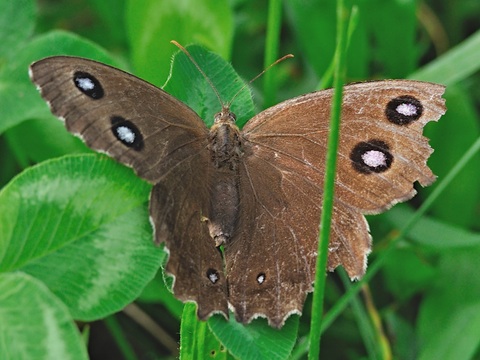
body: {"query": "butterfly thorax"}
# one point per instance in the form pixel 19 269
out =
pixel 225 142
pixel 225 152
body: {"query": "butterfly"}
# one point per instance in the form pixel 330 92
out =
pixel 238 210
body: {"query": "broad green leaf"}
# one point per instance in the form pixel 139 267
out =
pixel 196 339
pixel 112 14
pixel 34 323
pixel 156 291
pixel 449 320
pixel 455 65
pixel 16 25
pixel 319 31
pixel 407 273
pixel 187 84
pixel 393 25
pixel 432 233
pixel 152 24
pixel 256 340
pixel 80 225
pixel 462 125
pixel 37 140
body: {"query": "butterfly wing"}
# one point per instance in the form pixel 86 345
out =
pixel 381 154
pixel 164 141
pixel 115 112
pixel 178 208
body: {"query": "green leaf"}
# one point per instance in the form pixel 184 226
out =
pixel 449 319
pixel 16 24
pixel 457 64
pixel 405 344
pixel 256 340
pixel 35 141
pixel 112 14
pixel 34 324
pixel 199 95
pixel 393 24
pixel 152 24
pixel 196 340
pixel 432 233
pixel 406 273
pixel 156 291
pixel 80 224
pixel 462 125
pixel 309 31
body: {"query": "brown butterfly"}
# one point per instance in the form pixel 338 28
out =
pixel 238 210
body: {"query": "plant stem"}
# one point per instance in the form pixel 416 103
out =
pixel 271 50
pixel 328 193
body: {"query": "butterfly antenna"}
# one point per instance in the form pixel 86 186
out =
pixel 201 71
pixel 256 77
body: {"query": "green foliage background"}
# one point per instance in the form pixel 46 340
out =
pixel 67 251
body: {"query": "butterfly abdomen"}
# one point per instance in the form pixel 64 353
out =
pixel 225 151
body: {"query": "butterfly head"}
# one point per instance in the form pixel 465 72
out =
pixel 225 116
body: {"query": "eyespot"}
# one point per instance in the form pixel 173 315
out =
pixel 212 275
pixel 403 110
pixel 373 156
pixel 88 85
pixel 261 278
pixel 127 133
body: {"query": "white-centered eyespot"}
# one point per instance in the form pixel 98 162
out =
pixel 261 278
pixel 372 156
pixel 125 131
pixel 88 85
pixel 213 276
pixel 403 110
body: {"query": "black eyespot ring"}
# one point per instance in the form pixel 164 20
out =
pixel 403 110
pixel 213 275
pixel 88 84
pixel 261 277
pixel 373 156
pixel 126 132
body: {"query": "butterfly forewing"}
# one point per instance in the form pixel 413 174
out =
pixel 115 112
